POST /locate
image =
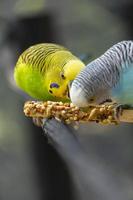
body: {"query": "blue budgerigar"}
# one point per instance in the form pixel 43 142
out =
pixel 108 77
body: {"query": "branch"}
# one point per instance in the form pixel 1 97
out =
pixel 67 112
pixel 89 173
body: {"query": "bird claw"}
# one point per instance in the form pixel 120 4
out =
pixel 108 113
pixel 58 132
pixel 37 121
pixel 118 109
pixel 51 127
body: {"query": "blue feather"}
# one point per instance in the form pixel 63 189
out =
pixel 123 92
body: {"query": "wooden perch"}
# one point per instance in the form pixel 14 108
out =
pixel 67 112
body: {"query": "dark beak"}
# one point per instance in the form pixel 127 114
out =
pixel 69 87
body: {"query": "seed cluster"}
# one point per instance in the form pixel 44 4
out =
pixel 69 113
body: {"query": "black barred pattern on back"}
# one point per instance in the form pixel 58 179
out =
pixel 37 55
pixel 104 72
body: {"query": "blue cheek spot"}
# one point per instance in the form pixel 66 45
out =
pixel 54 85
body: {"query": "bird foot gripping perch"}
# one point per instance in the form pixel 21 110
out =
pixel 67 112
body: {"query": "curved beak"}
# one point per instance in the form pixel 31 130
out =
pixel 69 87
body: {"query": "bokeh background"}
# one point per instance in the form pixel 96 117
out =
pixel 30 168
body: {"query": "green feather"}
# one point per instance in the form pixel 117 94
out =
pixel 41 64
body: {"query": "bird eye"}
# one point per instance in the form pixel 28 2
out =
pixel 62 76
pixel 92 99
pixel 54 85
pixel 50 91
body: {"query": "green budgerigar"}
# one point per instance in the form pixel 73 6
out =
pixel 44 71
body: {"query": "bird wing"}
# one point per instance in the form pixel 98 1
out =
pixel 123 92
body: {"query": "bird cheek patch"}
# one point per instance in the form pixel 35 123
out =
pixel 50 91
pixel 54 85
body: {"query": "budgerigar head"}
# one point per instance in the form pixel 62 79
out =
pixel 80 96
pixel 59 80
pixel 86 89
pixel 57 85
pixel 44 71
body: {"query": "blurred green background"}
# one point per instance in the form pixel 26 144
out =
pixel 29 167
